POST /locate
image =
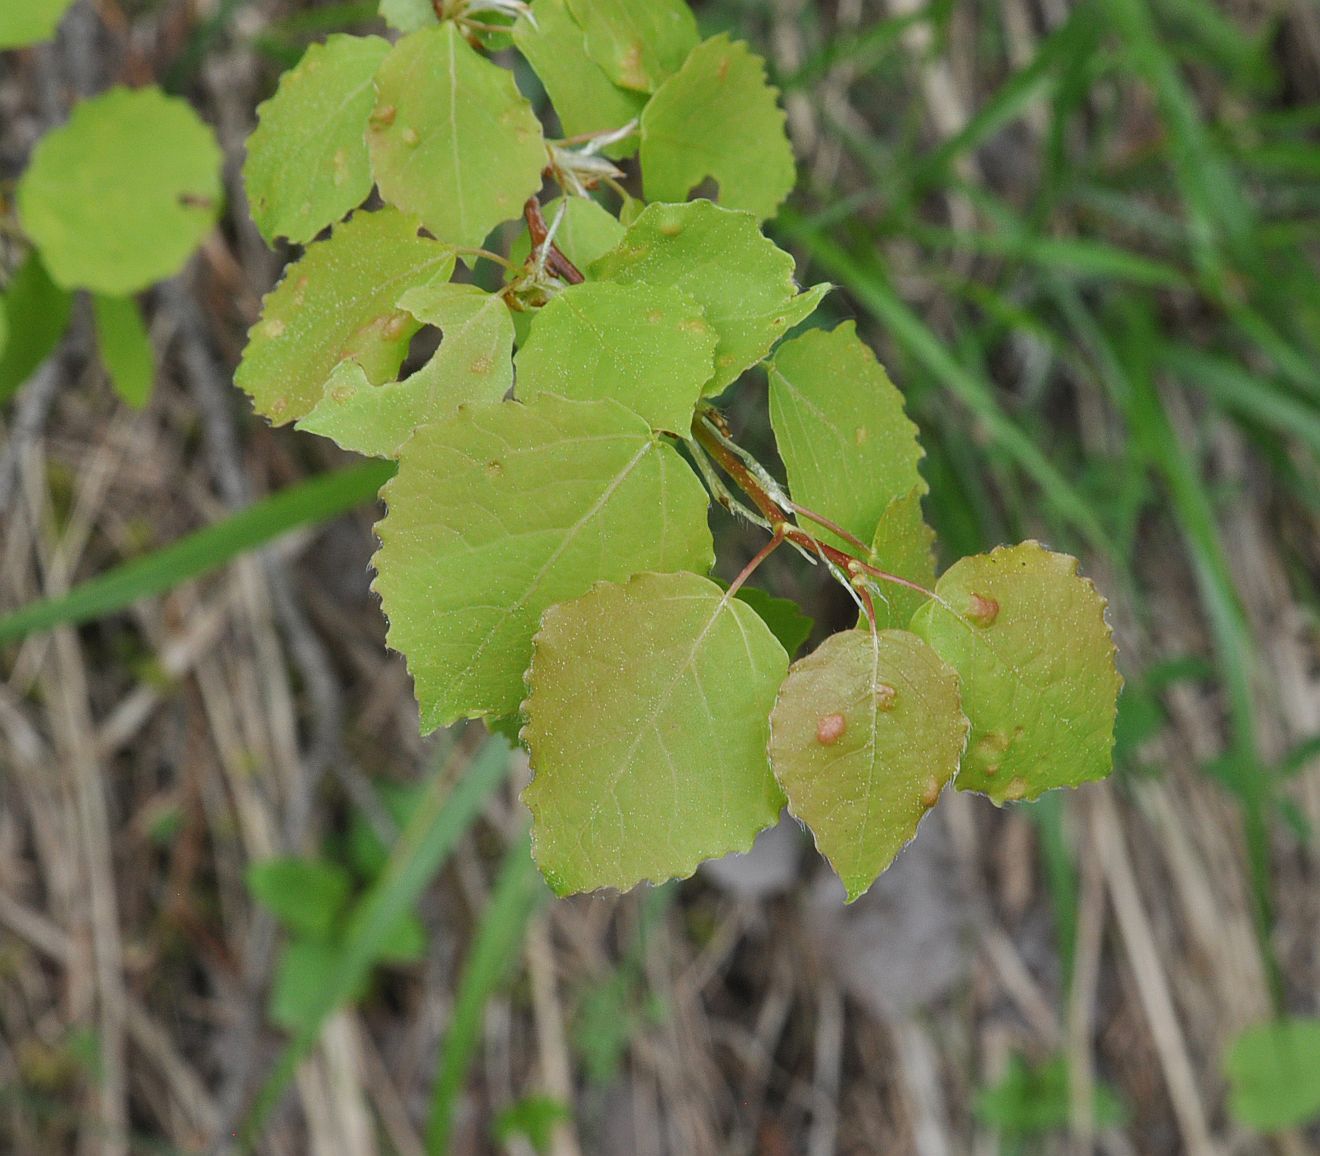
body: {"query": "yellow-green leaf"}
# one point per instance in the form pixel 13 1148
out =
pixel 865 734
pixel 451 138
pixel 307 163
pixel 1029 640
pixel 717 117
pixel 848 447
pixel 637 42
pixel 473 363
pixel 119 196
pixel 719 257
pixel 646 346
pixel 505 509
pixel 647 722
pixel 339 302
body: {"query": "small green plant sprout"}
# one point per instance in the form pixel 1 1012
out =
pixel 1273 1071
pixel 544 562
pixel 114 200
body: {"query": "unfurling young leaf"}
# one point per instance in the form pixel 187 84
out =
pixel 1027 636
pixel 646 346
pixel 647 721
pixel 717 117
pixel 451 138
pixel 504 510
pixel 586 232
pixel 720 258
pixel 121 195
pixel 473 363
pixel 339 302
pixel 865 734
pixel 307 163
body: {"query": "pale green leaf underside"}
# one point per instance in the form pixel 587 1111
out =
pixel 647 347
pixel 647 724
pixel 120 196
pixel 848 447
pixel 1029 640
pixel 504 510
pixel 586 232
pixel 717 117
pixel 637 42
pixel 473 363
pixel 338 302
pixel 24 22
pixel 865 734
pixel 125 348
pixel 586 100
pixel 307 163
pixel 451 138
pixel 903 545
pixel 742 280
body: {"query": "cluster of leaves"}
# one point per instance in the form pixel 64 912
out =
pixel 114 200
pixel 544 559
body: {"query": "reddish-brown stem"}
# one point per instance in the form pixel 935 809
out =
pixel 555 260
pixel 833 527
pixel 747 571
pixel 781 519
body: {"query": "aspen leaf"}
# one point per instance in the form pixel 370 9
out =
pixel 452 141
pixel 1027 636
pixel 339 302
pixel 717 117
pixel 865 734
pixel 648 347
pixel 473 363
pixel 637 42
pixel 647 721
pixel 119 196
pixel 848 447
pixel 307 162
pixel 505 509
pixel 721 259
pixel 585 98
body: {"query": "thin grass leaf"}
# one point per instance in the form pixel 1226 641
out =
pixel 517 894
pixel 315 500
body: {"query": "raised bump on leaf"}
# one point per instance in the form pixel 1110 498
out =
pixel 1039 681
pixel 865 733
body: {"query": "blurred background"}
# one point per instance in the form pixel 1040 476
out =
pixel 1083 238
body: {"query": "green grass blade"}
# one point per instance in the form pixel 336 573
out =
pixel 1246 394
pixel 873 291
pixel 442 817
pixel 315 500
pixel 517 894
